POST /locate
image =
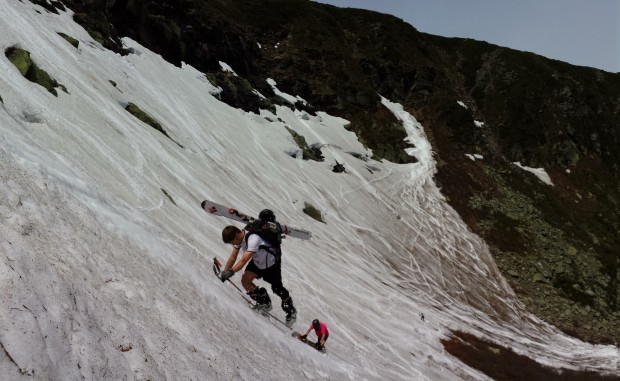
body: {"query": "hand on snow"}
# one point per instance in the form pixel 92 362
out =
pixel 226 275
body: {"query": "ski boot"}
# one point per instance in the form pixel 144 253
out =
pixel 263 302
pixel 291 312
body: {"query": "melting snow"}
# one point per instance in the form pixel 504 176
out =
pixel 225 67
pixel 287 97
pixel 538 172
pixel 474 156
pixel 103 277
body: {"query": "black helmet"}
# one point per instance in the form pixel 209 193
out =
pixel 315 323
pixel 267 216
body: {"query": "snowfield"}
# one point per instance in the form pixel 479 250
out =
pixel 103 277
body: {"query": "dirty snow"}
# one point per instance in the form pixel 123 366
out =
pixel 103 277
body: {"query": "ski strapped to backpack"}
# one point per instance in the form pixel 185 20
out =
pixel 233 214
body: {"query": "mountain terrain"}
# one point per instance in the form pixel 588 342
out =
pixel 557 245
pixel 462 196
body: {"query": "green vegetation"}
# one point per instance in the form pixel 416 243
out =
pixel 309 153
pixel 22 61
pixel 97 36
pixel 146 118
pixel 168 195
pixel 239 93
pixel 70 39
pixel 560 277
pixel 313 212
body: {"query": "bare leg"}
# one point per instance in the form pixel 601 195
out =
pixel 247 281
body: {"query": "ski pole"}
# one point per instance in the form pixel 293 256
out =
pixel 217 269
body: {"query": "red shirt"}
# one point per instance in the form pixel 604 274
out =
pixel 321 331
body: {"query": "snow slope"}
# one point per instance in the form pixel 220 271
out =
pixel 103 277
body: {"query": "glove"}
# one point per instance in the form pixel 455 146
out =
pixel 304 337
pixel 226 275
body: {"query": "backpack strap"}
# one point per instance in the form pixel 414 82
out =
pixel 269 249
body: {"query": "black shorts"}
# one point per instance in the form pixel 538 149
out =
pixel 271 275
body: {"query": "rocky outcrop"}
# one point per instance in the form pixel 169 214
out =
pixel 147 119
pixel 69 39
pixel 31 71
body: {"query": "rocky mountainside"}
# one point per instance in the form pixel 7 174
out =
pixel 557 245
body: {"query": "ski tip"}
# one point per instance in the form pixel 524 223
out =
pixel 202 204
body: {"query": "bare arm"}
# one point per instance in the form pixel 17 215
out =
pixel 245 258
pixel 231 259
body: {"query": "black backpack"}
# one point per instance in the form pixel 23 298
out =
pixel 269 230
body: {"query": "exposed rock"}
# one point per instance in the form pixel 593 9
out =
pixel 307 152
pixel 239 93
pixel 146 118
pixel 22 61
pixel 313 212
pixel 495 351
pixel 52 6
pixel 339 168
pixel 165 192
pixel 513 273
pixel 70 40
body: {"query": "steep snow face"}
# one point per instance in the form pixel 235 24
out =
pixel 104 277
